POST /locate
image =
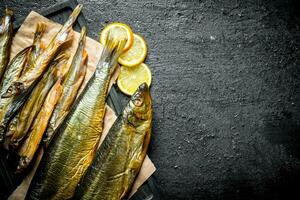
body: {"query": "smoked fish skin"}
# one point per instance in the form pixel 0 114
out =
pixel 71 85
pixel 120 156
pixel 38 67
pixel 20 124
pixel 12 72
pixel 6 34
pixel 76 141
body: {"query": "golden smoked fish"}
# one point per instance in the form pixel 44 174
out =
pixel 12 72
pixel 76 141
pixel 71 85
pixel 120 156
pixel 31 143
pixel 38 67
pixel 21 123
pixel 6 34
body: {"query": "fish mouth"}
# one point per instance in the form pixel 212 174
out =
pixel 143 87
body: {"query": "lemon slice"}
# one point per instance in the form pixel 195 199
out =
pixel 136 54
pixel 118 30
pixel 130 78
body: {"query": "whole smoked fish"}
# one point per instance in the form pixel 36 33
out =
pixel 31 143
pixel 12 72
pixel 120 156
pixel 15 68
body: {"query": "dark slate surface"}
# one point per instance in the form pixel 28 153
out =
pixel 226 92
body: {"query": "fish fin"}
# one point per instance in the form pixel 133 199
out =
pixel 64 31
pixel 113 48
pixel 73 16
pixel 9 12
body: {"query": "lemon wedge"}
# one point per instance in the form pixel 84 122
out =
pixel 130 78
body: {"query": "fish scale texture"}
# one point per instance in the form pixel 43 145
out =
pixel 226 91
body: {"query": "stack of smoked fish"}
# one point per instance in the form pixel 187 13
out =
pixel 40 107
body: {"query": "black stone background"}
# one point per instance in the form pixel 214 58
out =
pixel 225 87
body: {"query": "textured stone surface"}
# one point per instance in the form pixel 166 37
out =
pixel 226 91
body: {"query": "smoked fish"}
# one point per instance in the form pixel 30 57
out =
pixel 76 141
pixel 12 72
pixel 31 143
pixel 38 67
pixel 21 123
pixel 120 156
pixel 6 34
pixel 71 85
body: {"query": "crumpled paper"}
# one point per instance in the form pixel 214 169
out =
pixel 22 39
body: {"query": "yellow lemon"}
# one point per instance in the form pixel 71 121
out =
pixel 130 78
pixel 136 54
pixel 118 30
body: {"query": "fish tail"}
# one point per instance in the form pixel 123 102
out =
pixel 64 32
pixel 113 48
pixel 40 30
pixel 74 15
pixel 9 12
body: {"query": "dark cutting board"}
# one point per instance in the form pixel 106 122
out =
pixel 8 180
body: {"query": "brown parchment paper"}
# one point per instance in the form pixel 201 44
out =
pixel 22 39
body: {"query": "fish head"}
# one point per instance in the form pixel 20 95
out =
pixel 139 109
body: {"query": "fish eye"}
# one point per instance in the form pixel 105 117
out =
pixel 138 101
